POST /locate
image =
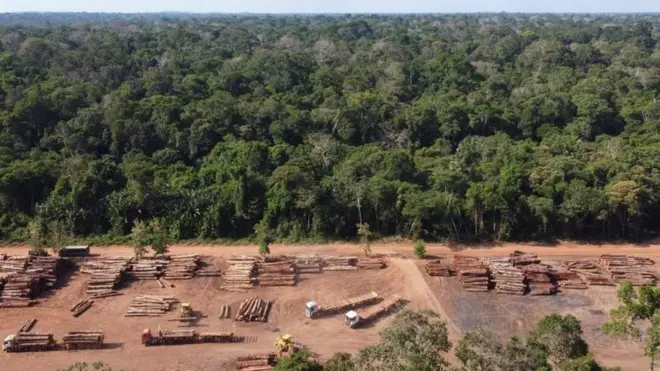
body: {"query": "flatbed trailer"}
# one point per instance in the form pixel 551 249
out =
pixel 83 340
pixel 173 337
pixel 315 310
pixel 354 319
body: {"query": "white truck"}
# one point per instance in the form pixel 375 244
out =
pixel 28 342
pixel 353 319
pixel 315 310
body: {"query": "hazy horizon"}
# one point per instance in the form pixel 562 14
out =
pixel 336 7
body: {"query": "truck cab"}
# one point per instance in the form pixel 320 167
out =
pixel 8 344
pixel 310 308
pixel 146 336
pixel 352 318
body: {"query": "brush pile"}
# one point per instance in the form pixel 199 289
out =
pixel 280 273
pixel 371 263
pixel 256 362
pixel 437 268
pixel 632 268
pixel 589 272
pixel 472 273
pixel 539 279
pixel 254 309
pixel 311 263
pixel 239 276
pixel 340 263
pixel 150 306
pixel 508 279
pixel 106 276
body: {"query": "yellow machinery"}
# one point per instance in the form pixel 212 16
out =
pixel 186 310
pixel 285 344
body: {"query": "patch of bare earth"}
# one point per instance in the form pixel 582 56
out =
pixel 503 314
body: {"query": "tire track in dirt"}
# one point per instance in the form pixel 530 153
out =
pixel 418 287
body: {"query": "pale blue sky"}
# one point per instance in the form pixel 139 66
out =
pixel 330 6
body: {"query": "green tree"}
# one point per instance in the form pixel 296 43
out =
pixel 300 360
pixel 35 239
pixel 561 336
pixel 481 351
pixel 415 340
pixel 365 234
pixel 140 238
pixel 58 235
pixel 637 308
pixel 420 249
pixel 158 238
pixel 340 362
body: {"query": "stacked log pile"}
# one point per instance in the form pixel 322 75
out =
pixel 181 267
pixel 280 273
pixel 371 263
pixel 81 307
pixel 106 276
pixel 569 280
pixel 437 268
pixel 520 258
pixel 206 270
pixel 147 269
pixel 16 288
pixel 239 276
pixel 254 309
pixel 150 306
pixel 622 267
pixel 83 339
pixel 256 362
pixel 340 263
pixel 25 278
pixel 472 273
pixel 590 272
pixel 308 263
pixel 508 279
pixel 48 268
pixel 539 279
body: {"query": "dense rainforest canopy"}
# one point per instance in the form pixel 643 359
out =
pixel 491 126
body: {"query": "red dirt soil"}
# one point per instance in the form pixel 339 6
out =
pixel 464 311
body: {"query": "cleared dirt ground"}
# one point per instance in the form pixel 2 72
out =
pixel 505 315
